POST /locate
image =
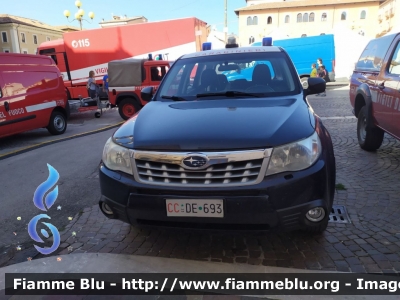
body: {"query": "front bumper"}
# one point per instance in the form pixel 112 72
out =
pixel 280 200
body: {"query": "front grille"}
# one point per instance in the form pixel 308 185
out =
pixel 232 173
pixel 220 169
pixel 202 193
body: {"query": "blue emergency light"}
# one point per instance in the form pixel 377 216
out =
pixel 267 41
pixel 150 56
pixel 206 46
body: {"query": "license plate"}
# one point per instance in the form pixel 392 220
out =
pixel 209 208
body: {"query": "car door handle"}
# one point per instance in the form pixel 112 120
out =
pixel 6 106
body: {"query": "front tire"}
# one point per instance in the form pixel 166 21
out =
pixel 318 229
pixel 127 108
pixel 369 139
pixel 58 123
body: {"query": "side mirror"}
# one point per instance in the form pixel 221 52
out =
pixel 316 85
pixel 147 93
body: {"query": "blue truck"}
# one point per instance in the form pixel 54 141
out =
pixel 306 50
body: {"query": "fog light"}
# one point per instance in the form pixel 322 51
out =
pixel 106 209
pixel 315 214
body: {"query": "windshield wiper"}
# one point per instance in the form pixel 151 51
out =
pixel 175 98
pixel 228 94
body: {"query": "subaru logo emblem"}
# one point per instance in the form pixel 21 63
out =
pixel 194 162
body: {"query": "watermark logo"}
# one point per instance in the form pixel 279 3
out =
pixel 44 202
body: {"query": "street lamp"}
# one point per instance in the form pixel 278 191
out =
pixel 79 14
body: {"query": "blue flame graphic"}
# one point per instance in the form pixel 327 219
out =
pixel 33 234
pixel 44 204
pixel 44 188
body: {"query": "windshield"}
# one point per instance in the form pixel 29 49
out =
pixel 267 74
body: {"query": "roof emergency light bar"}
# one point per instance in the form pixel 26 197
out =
pixel 206 46
pixel 267 41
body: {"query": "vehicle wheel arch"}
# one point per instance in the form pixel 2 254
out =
pixel 358 104
pixel 51 128
pixel 128 105
pixel 68 94
pixel 62 110
pixel 364 98
pixel 67 106
pixel 123 96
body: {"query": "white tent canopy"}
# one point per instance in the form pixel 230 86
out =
pixel 217 39
pixel 278 34
pixel 348 47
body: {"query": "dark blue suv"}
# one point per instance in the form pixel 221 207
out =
pixel 211 150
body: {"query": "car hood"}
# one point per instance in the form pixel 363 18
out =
pixel 223 124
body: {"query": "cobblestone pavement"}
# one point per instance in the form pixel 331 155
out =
pixel 370 192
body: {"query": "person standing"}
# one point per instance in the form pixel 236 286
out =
pixel 326 74
pixel 105 84
pixel 322 73
pixel 314 72
pixel 91 85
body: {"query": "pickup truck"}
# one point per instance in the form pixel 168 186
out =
pixel 127 77
pixel 375 91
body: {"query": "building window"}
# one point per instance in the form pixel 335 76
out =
pixel 4 37
pixel 35 39
pixel 6 50
pixel 323 17
pixel 251 40
pixel 312 17
pixel 24 51
pixel 287 19
pixel 343 16
pixel 299 18
pixel 305 17
pixel 269 20
pixel 48 38
pixel 23 39
pixel 249 21
pixel 363 14
pixel 255 20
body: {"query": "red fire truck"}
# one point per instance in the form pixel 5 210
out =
pixel 82 51
pixel 127 79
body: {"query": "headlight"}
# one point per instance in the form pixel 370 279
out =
pixel 116 157
pixel 295 156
